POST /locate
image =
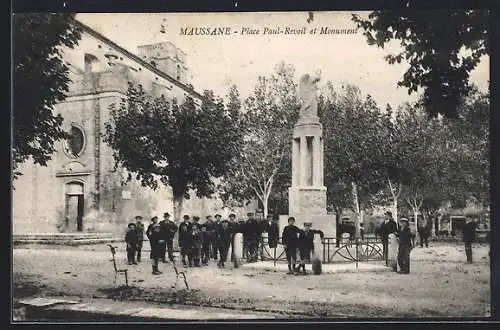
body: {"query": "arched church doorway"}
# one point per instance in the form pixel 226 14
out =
pixel 74 205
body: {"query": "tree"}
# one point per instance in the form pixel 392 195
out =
pixel 181 146
pixel 441 46
pixel 40 81
pixel 354 135
pixel 270 113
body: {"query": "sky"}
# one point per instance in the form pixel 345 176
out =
pixel 216 62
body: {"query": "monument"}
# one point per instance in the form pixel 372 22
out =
pixel 307 195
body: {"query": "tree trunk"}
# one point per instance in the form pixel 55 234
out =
pixel 265 206
pixel 395 192
pixel 178 201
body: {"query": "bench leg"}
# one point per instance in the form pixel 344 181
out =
pixel 126 278
pixel 116 274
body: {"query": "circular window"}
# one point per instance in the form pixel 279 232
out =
pixel 75 143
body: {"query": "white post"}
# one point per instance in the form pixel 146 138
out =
pixel 318 247
pixel 238 248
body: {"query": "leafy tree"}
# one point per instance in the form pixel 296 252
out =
pixel 181 146
pixel 40 81
pixel 354 135
pixel 270 113
pixel 441 46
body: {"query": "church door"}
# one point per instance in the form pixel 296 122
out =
pixel 74 206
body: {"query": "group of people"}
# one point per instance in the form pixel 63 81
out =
pixel 405 239
pixel 401 234
pixel 198 242
pixel 214 238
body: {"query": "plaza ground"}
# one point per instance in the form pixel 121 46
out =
pixel 440 284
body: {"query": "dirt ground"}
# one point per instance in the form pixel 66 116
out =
pixel 440 284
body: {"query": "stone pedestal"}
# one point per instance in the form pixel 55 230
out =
pixel 307 195
pixel 238 248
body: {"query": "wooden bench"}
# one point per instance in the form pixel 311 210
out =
pixel 118 271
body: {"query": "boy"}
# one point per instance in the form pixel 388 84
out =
pixel 197 243
pixel 205 247
pixel 185 239
pixel 223 241
pixel 306 245
pixel 132 241
pixel 157 240
pixel 290 238
pixel 405 246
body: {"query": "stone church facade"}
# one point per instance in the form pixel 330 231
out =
pixel 79 189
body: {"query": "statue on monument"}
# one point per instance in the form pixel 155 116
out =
pixel 307 92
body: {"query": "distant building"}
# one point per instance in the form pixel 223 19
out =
pixel 79 181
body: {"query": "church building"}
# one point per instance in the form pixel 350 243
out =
pixel 79 190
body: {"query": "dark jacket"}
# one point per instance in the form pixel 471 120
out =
pixel 210 229
pixel 139 229
pixel 252 230
pixel 469 232
pixel 185 234
pixel 155 238
pixel 149 231
pixel 388 228
pixel 290 236
pixel 131 238
pixel 306 239
pixel 405 237
pixel 168 228
pixel 223 236
pixel 197 239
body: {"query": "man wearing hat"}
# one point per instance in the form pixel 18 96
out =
pixel 405 246
pixel 131 240
pixel 252 236
pixel 208 230
pixel 469 233
pixel 290 238
pixel 139 228
pixel 186 240
pixel 306 245
pixel 223 241
pixel 156 240
pixel 388 227
pixel 215 249
pixel 168 228
pixel 154 221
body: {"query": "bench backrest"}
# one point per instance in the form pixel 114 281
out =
pixel 113 252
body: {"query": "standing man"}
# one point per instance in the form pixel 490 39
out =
pixel 290 238
pixel 469 234
pixel 139 228
pixel 388 227
pixel 154 221
pixel 362 231
pixel 253 234
pixel 170 228
pixel 223 241
pixel 185 240
pixel 405 246
pixel 423 234
pixel 210 234
pixel 164 230
pixel 215 250
pixel 131 240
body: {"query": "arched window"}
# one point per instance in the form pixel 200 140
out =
pixel 75 144
pixel 91 63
